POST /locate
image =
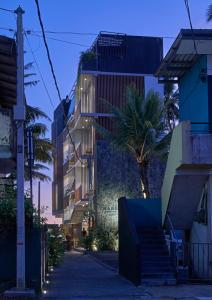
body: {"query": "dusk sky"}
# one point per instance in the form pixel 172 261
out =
pixel 136 17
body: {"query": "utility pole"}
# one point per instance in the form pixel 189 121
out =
pixel 30 159
pixel 19 116
pixel 39 201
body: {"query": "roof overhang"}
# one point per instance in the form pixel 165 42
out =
pixel 184 52
pixel 8 71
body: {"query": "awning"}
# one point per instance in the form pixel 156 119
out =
pixel 8 72
pixel 184 52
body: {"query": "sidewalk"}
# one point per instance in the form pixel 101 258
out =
pixel 81 277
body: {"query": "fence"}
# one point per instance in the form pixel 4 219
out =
pixel 196 259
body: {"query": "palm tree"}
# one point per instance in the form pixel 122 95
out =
pixel 171 106
pixel 139 130
pixel 209 13
pixel 42 145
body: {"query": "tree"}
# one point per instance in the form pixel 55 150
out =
pixel 139 130
pixel 171 108
pixel 42 145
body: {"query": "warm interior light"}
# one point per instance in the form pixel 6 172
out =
pixel 85 78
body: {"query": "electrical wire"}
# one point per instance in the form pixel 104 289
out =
pixel 47 50
pixel 7 10
pixel 39 71
pixel 55 80
pixel 59 40
pixel 67 32
pixel 190 22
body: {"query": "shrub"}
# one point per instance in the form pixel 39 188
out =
pixel 56 247
pixel 101 239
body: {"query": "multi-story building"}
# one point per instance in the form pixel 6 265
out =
pixel 95 174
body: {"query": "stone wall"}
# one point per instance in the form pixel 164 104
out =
pixel 118 175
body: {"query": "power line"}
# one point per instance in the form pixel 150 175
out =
pixel 47 50
pixel 39 71
pixel 52 70
pixel 7 10
pixel 59 40
pixel 68 32
pixel 190 22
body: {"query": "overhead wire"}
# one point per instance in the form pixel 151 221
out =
pixel 55 80
pixel 7 10
pixel 197 82
pixel 59 40
pixel 39 71
pixel 47 50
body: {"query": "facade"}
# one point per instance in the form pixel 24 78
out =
pixel 95 174
pixel 7 101
pixel 187 185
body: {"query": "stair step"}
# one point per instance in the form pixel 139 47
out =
pixel 154 252
pixel 158 281
pixel 155 260
pixel 162 275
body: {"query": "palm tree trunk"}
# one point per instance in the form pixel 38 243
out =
pixel 144 179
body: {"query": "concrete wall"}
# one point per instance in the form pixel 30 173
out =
pixel 194 96
pixel 145 212
pixel 118 175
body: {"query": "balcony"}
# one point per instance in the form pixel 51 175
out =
pixel 188 165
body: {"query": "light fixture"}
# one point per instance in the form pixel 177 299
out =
pixel 81 88
pixel 85 78
pixel 86 120
pixel 47 281
pixel 83 126
pixel 44 291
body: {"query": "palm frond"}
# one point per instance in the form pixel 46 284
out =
pixel 31 83
pixel 34 113
pixel 209 13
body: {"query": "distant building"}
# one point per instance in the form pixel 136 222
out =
pixel 95 175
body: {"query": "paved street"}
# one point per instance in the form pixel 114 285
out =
pixel 82 277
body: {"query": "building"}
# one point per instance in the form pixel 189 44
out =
pixel 7 101
pixel 172 242
pixel 95 175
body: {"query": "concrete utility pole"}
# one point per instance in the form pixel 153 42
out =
pixel 19 116
pixel 39 201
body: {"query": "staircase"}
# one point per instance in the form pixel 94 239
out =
pixel 156 265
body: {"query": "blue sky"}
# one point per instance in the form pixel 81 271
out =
pixel 136 17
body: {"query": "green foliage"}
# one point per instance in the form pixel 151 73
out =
pixel 55 245
pixel 8 211
pixel 139 130
pixel 101 239
pixel 42 145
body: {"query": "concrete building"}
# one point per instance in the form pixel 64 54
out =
pixel 95 175
pixel 187 185
pixel 7 101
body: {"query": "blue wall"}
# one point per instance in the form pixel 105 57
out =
pixel 145 212
pixel 194 96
